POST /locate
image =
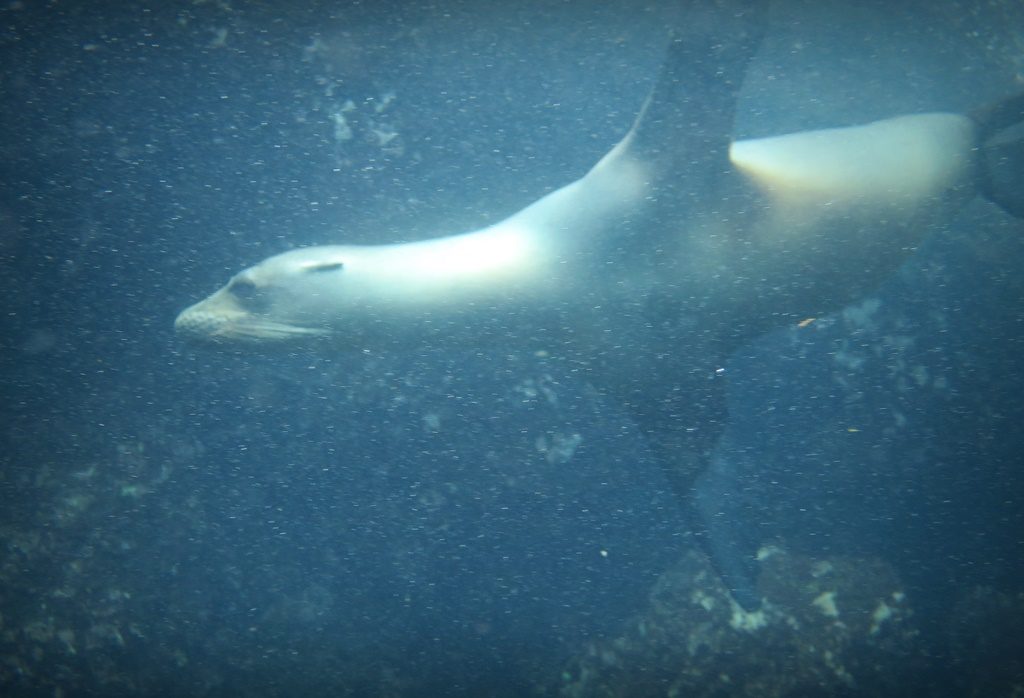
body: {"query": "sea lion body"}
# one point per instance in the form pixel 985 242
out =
pixel 822 217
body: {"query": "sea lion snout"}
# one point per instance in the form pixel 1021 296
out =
pixel 195 325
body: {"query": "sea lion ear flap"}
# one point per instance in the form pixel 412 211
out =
pixel 324 266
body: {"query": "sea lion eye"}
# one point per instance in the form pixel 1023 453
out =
pixel 243 289
pixel 325 266
pixel 252 298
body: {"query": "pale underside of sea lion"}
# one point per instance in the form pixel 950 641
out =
pixel 678 246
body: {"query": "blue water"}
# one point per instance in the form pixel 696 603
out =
pixel 184 522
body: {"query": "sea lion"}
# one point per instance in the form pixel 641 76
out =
pixel 677 247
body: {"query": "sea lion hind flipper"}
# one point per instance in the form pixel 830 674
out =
pixel 1001 173
pixel 1001 159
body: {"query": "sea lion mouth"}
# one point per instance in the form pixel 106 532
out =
pixel 206 327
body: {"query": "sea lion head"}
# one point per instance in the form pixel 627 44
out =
pixel 399 294
pixel 268 302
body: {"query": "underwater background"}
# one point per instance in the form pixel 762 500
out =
pixel 178 521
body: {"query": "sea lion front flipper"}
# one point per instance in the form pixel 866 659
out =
pixel 681 141
pixel 683 132
pixel 728 536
